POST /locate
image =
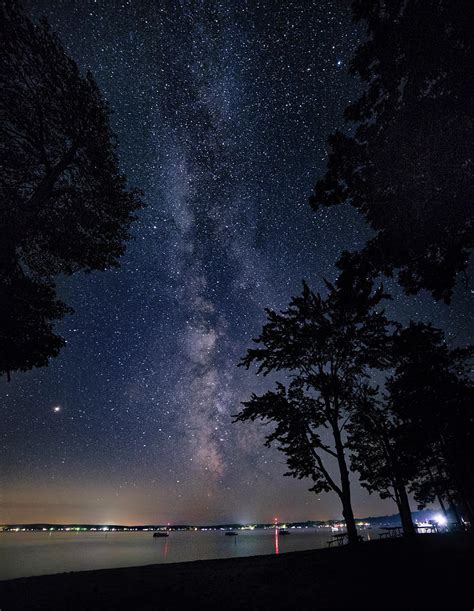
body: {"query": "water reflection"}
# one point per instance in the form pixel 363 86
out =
pixel 38 553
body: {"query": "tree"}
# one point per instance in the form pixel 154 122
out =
pixel 431 392
pixel 326 347
pixel 28 310
pixel 432 483
pixel 407 163
pixel 377 443
pixel 64 206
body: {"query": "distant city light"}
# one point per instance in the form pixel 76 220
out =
pixel 440 519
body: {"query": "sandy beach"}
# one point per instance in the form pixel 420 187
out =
pixel 431 572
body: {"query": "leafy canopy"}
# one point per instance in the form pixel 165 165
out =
pixel 407 163
pixel 64 205
pixel 326 347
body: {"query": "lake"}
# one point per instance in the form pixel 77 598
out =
pixel 40 553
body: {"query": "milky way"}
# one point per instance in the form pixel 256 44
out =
pixel 222 111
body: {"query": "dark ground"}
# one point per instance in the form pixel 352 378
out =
pixel 432 572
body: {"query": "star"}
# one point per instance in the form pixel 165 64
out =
pixel 222 121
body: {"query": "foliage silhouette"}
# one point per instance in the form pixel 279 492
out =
pixel 407 163
pixel 326 347
pixel 377 442
pixel 431 392
pixel 64 206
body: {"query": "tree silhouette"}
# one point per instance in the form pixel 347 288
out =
pixel 64 206
pixel 326 347
pixel 377 443
pixel 407 165
pixel 433 483
pixel 432 393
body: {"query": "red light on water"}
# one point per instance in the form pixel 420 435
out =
pixel 277 550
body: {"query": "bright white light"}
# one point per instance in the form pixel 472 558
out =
pixel 57 408
pixel 440 519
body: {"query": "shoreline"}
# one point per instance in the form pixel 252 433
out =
pixel 378 574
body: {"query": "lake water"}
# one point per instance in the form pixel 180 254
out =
pixel 41 553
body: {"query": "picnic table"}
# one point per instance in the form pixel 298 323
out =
pixel 391 532
pixel 397 531
pixel 338 539
pixel 429 528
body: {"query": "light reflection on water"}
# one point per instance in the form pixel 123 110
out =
pixel 39 553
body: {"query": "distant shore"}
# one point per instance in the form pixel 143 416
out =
pixel 388 520
pixel 431 572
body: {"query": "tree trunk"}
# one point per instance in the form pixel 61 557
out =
pixel 348 515
pixel 345 495
pixel 405 511
pixel 468 509
pixel 463 495
pixel 453 510
pixel 453 502
pixel 459 478
pixel 441 504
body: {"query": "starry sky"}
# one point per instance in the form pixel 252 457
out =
pixel 222 110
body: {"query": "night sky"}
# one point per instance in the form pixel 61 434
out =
pixel 222 111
